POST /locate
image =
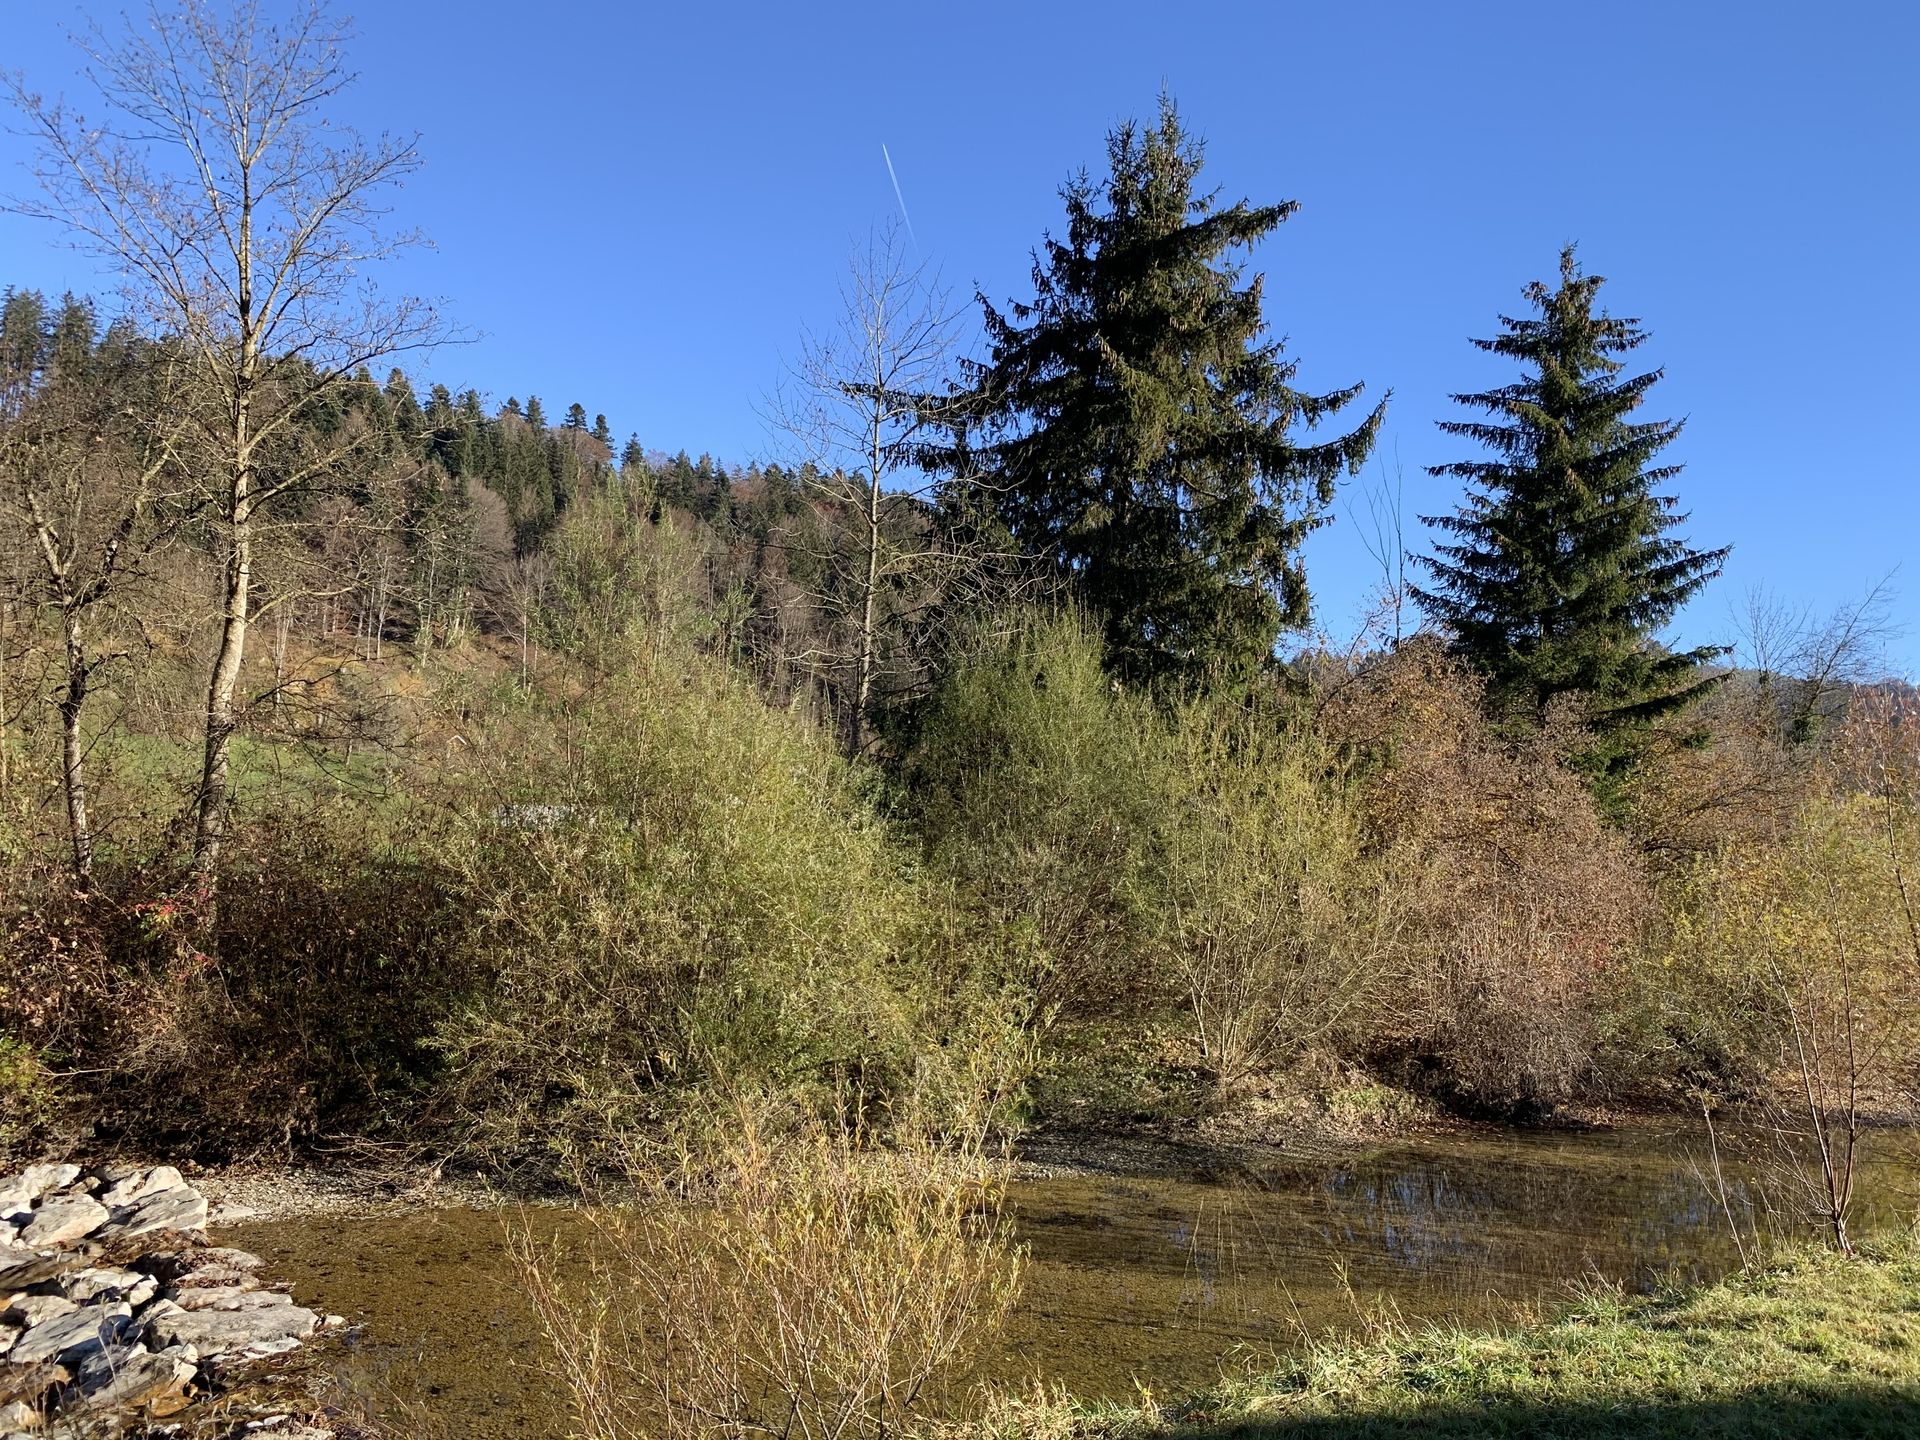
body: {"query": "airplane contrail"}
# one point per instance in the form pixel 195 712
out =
pixel 898 196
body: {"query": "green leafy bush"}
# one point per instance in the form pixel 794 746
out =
pixel 1269 906
pixel 672 886
pixel 1035 783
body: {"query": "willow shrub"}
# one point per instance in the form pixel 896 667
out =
pixel 1036 785
pixel 1270 906
pixel 673 886
pixel 825 1290
pixel 1801 941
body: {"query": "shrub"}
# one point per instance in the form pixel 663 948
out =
pixel 1824 898
pixel 299 1008
pixel 822 1292
pixel 1035 783
pixel 1522 907
pixel 1788 978
pixel 674 885
pixel 1267 904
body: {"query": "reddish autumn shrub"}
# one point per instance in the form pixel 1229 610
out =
pixel 1522 907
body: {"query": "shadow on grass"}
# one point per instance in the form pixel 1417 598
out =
pixel 1868 1413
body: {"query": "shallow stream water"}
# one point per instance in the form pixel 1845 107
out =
pixel 1161 1277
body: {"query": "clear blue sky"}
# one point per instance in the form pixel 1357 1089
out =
pixel 639 206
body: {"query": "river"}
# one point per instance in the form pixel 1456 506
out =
pixel 1159 1277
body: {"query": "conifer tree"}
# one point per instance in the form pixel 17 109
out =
pixel 603 432
pixel 576 416
pixel 1563 565
pixel 1141 424
pixel 403 406
pixel 536 417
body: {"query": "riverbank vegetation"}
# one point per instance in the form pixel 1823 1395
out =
pixel 392 772
pixel 406 774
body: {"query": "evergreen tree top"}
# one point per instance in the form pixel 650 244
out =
pixel 1561 567
pixel 1144 426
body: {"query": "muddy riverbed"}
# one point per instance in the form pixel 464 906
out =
pixel 1157 1277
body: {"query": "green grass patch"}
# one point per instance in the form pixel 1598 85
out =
pixel 1816 1346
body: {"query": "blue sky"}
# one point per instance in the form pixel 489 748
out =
pixel 639 207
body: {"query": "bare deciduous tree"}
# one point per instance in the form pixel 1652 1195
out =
pixel 861 404
pixel 1805 664
pixel 244 218
pixel 87 492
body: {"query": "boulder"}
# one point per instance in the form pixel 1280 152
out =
pixel 30 1382
pixel 29 1268
pixel 17 1192
pixel 228 1297
pixel 129 1377
pixel 222 1332
pixel 32 1310
pixel 112 1283
pixel 227 1257
pixel 74 1335
pixel 137 1184
pixel 64 1219
pixel 214 1277
pixel 202 1267
pixel 179 1208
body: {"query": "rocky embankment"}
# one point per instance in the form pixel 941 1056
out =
pixel 115 1309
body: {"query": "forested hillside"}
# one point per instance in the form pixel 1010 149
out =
pixel 380 766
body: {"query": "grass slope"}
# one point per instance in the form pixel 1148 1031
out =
pixel 1817 1346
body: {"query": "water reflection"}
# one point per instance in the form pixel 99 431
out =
pixel 1161 1278
pixel 1156 1278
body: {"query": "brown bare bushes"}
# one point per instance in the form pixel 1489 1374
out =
pixel 1520 906
pixel 824 1291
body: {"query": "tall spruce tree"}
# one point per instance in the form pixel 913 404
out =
pixel 1140 423
pixel 1562 565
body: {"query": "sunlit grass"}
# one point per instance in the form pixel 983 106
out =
pixel 1814 1346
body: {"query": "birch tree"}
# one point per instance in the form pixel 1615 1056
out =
pixel 218 182
pixel 861 404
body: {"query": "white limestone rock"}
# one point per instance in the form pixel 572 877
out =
pixel 179 1208
pixel 31 1310
pixel 132 1377
pixel 139 1184
pixel 223 1332
pixel 110 1282
pixel 64 1219
pixel 74 1335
